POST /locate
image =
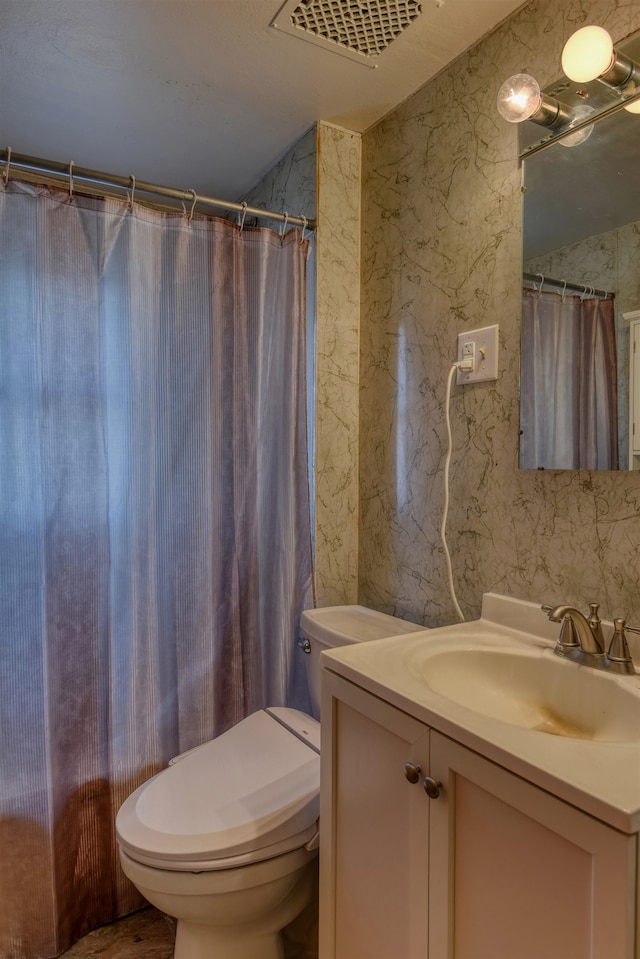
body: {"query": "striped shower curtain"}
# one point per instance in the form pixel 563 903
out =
pixel 569 383
pixel 154 519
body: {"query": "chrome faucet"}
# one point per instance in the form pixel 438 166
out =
pixel 581 639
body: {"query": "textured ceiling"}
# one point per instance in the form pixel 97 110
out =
pixel 201 94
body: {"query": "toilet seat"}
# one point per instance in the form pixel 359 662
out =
pixel 249 795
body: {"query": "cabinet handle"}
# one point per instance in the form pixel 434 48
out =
pixel 432 787
pixel 412 772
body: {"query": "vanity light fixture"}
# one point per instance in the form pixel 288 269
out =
pixel 520 98
pixel 589 54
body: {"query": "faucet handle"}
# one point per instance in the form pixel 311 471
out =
pixel 618 652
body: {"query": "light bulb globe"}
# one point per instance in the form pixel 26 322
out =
pixel 633 107
pixel 581 112
pixel 519 98
pixel 587 54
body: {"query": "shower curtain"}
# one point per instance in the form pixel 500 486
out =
pixel 155 548
pixel 569 383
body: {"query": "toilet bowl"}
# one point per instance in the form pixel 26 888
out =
pixel 232 913
pixel 225 839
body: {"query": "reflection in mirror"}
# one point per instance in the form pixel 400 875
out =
pixel 569 408
pixel 581 286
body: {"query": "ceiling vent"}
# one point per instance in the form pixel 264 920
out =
pixel 358 29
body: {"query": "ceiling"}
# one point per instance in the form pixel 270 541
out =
pixel 202 94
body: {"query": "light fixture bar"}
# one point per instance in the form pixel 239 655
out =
pixel 550 140
pixel 624 70
pixel 551 112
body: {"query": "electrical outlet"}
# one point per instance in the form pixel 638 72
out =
pixel 482 345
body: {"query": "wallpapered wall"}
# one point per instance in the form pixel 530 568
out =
pixel 441 255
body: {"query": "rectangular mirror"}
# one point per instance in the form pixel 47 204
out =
pixel 581 299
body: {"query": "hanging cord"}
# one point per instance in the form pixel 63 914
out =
pixel 445 511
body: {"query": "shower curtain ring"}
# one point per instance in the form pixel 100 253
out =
pixel 541 275
pixel 564 289
pixel 304 227
pixel 244 213
pixel 584 292
pixel 194 196
pixel 71 166
pixel 132 181
pixel 284 228
pixel 7 164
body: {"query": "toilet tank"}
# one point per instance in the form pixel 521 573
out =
pixel 331 626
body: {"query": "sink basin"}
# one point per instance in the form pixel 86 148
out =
pixel 531 688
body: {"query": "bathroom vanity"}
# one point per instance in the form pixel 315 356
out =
pixel 480 797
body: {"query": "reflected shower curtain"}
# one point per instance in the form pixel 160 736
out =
pixel 155 544
pixel 569 412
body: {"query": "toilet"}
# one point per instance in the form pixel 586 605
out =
pixel 225 839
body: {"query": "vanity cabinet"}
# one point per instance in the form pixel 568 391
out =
pixel 494 867
pixel 376 828
pixel 520 874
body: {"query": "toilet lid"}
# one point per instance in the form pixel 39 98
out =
pixel 251 793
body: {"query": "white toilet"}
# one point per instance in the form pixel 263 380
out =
pixel 226 837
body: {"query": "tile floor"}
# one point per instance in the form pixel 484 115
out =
pixel 143 935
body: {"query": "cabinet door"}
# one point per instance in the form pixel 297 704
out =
pixel 518 874
pixel 374 828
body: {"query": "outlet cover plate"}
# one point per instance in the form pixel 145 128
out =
pixel 486 352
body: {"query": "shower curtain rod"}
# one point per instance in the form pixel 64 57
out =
pixel 53 171
pixel 535 279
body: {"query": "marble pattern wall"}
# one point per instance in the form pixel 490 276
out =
pixel 290 185
pixel 441 255
pixel 320 176
pixel 337 366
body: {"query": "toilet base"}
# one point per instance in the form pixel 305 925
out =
pixel 233 913
pixel 195 941
pixel 242 938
